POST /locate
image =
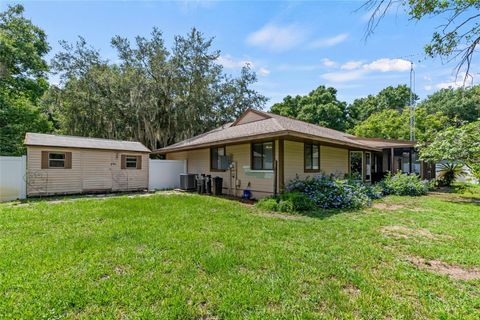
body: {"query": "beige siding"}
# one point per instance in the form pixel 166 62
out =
pixel 92 170
pixel 198 161
pixel 332 161
pixel 293 159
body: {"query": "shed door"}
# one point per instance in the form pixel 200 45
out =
pixel 96 171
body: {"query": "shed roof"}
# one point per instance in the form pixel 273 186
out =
pixel 51 140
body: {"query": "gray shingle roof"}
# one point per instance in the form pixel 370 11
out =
pixel 51 140
pixel 385 143
pixel 271 125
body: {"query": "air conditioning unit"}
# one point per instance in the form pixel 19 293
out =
pixel 188 181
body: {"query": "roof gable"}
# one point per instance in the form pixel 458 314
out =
pixel 250 115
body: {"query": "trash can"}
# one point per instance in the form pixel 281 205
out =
pixel 201 184
pixel 208 184
pixel 217 185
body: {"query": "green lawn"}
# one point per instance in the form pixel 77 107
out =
pixel 188 256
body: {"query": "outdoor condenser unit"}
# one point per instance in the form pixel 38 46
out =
pixel 187 181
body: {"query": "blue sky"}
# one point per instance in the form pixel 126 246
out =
pixel 293 46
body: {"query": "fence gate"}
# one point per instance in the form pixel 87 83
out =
pixel 165 174
pixel 12 178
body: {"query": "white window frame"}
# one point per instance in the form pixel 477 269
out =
pixel 131 159
pixel 61 160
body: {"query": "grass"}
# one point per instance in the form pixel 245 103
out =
pixel 186 256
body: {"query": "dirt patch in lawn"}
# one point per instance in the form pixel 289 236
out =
pixel 388 207
pixel 351 290
pixel 282 216
pixel 405 232
pixel 440 267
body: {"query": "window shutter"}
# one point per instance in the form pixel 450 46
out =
pixel 123 160
pixel 44 160
pixel 139 162
pixel 68 160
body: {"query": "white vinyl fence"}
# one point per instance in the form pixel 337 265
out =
pixel 12 178
pixel 165 174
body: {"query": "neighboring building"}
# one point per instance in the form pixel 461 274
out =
pixel 68 165
pixel 264 151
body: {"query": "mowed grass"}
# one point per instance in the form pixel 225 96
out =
pixel 172 256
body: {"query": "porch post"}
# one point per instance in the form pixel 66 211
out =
pixel 281 165
pixel 392 162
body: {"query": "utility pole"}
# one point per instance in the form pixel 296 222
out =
pixel 412 102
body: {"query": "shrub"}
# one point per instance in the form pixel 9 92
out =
pixel 299 201
pixel 327 192
pixel 287 202
pixel 449 172
pixel 402 184
pixel 269 204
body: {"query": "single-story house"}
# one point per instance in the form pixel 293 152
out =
pixel 264 151
pixel 69 165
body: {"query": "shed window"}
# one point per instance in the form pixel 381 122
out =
pixel 217 154
pixel 131 162
pixel 262 156
pixel 56 160
pixel 312 157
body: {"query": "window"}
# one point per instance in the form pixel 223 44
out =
pixel 312 157
pixel 56 160
pixel 217 154
pixel 262 156
pixel 131 162
pixel 356 164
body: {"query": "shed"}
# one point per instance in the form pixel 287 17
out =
pixel 70 165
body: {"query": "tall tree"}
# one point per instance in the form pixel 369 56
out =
pixel 455 144
pixel 152 95
pixel 22 79
pixel 394 98
pixel 393 124
pixel 461 104
pixel 320 106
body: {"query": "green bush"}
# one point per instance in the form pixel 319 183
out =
pixel 269 204
pixel 299 201
pixel 287 202
pixel 327 192
pixel 402 184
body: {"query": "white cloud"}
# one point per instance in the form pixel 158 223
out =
pixel 355 70
pixel 385 65
pixel 350 65
pixel 263 72
pixel 427 77
pixel 451 84
pixel 228 62
pixel 428 87
pixel 277 38
pixel 344 76
pixel 328 63
pixel 329 42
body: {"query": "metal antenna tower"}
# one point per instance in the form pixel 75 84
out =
pixel 412 102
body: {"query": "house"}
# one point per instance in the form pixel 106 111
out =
pixel 264 151
pixel 68 165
